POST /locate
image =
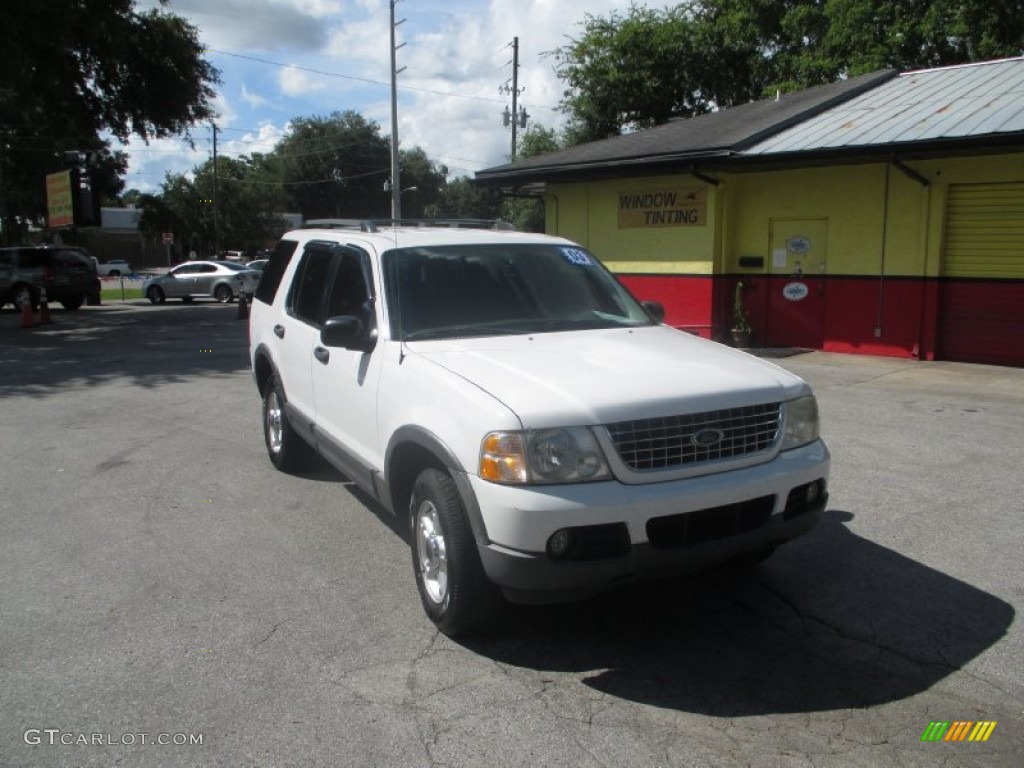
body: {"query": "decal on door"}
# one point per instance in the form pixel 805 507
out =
pixel 795 291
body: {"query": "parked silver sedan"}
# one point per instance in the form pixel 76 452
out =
pixel 220 280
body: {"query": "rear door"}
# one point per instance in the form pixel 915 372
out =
pixel 299 330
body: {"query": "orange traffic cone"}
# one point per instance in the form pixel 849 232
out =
pixel 44 309
pixel 28 317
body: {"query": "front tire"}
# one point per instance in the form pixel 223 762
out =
pixel 287 451
pixel 454 590
pixel 155 295
pixel 223 294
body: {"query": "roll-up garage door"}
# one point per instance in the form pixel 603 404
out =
pixel 982 291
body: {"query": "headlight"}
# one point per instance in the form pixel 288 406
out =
pixel 801 422
pixel 563 455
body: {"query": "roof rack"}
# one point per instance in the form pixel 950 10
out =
pixel 374 225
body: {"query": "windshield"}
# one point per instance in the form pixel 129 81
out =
pixel 457 291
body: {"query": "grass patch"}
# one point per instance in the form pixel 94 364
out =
pixel 116 294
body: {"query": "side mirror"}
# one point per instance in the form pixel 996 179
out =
pixel 348 332
pixel 655 309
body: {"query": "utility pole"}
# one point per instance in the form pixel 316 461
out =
pixel 396 184
pixel 517 117
pixel 515 91
pixel 216 224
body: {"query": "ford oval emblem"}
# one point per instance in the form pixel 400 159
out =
pixel 706 438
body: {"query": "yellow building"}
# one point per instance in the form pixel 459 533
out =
pixel 882 215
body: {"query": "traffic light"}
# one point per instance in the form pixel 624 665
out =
pixel 84 201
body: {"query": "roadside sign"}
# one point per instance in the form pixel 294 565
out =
pixel 168 238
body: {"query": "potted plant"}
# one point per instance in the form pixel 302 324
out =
pixel 740 322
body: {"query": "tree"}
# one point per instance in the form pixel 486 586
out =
pixel 249 200
pixel 336 166
pixel 428 178
pixel 526 212
pixel 626 71
pixel 73 70
pixel 460 199
pixel 645 67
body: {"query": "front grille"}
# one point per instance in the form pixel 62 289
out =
pixel 671 442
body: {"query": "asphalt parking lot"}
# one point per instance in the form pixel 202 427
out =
pixel 161 582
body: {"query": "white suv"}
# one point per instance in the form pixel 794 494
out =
pixel 545 435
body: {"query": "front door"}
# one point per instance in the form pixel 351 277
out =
pixel 796 288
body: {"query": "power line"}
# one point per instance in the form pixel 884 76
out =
pixel 366 80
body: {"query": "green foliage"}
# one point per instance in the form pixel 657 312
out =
pixel 74 69
pixel 336 167
pixel 648 66
pixel 249 199
pixel 527 213
pixel 459 199
pixel 423 179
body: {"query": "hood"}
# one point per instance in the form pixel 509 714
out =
pixel 604 376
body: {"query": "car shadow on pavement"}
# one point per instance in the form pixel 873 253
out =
pixel 832 621
pixel 145 346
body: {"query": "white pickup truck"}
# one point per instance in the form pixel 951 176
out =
pixel 114 268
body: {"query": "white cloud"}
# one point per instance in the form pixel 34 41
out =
pixel 254 100
pixel 297 82
pixel 318 8
pixel 222 108
pixel 456 55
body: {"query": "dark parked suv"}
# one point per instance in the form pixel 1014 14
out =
pixel 68 274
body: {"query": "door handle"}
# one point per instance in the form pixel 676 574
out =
pixel 279 331
pixel 321 354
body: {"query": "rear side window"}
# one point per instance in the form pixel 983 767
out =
pixel 71 259
pixel 271 279
pixel 33 259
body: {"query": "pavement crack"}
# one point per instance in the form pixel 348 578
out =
pixel 273 629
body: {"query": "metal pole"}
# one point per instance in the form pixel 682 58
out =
pixel 216 223
pixel 396 184
pixel 515 92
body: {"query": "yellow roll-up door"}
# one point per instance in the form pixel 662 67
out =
pixel 981 316
pixel 985 230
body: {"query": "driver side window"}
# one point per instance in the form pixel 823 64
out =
pixel 350 294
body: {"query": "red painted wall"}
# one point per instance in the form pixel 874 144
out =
pixel 967 320
pixel 688 299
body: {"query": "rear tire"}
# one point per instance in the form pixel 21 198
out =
pixel 287 451
pixel 455 592
pixel 223 294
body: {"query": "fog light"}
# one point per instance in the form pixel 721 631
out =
pixel 813 491
pixel 559 543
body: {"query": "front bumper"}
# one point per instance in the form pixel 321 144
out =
pixel 657 529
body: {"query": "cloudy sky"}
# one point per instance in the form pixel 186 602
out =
pixel 281 59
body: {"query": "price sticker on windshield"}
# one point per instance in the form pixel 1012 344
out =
pixel 576 256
